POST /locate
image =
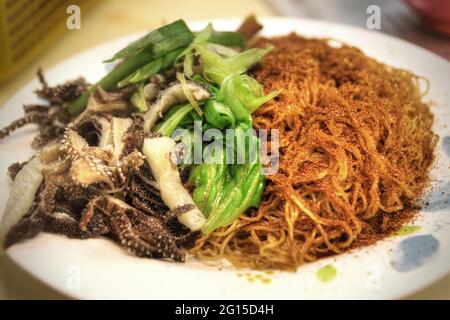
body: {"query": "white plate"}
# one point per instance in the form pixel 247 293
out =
pixel 100 269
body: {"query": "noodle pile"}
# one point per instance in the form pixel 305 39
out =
pixel 355 148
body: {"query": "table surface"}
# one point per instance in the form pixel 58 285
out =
pixel 112 19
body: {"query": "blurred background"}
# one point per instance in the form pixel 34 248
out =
pixel 35 33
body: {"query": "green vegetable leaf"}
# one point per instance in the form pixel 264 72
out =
pixel 217 68
pixel 172 119
pixel 243 95
pixel 203 35
pixel 240 92
pixel 250 93
pixel 208 178
pixel 150 69
pixel 219 115
pixel 237 196
pixel 240 63
pixel 225 191
pixel 228 39
pixel 231 97
pixel 160 41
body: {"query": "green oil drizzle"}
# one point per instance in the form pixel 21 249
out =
pixel 327 273
pixel 406 230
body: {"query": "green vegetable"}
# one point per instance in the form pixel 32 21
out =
pixel 138 99
pixel 231 97
pixel 160 41
pixel 150 69
pixel 154 45
pixel 217 68
pixel 241 62
pixel 219 115
pixel 240 92
pixel 223 40
pixel 172 119
pixel 203 35
pixel 208 179
pixel 243 94
pixel 147 70
pixel 228 39
pixel 241 191
pixel 223 192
